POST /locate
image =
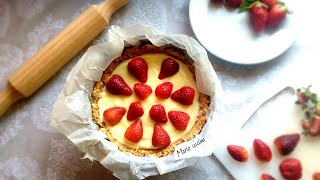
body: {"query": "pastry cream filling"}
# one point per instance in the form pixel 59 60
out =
pixel 184 77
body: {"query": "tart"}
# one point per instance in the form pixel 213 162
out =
pixel 147 101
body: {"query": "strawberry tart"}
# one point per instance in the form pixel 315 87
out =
pixel 147 101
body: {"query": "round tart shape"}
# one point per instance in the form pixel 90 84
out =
pixel 157 87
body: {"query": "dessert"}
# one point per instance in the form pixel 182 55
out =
pixel 147 101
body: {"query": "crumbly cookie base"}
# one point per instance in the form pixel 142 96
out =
pixel 137 51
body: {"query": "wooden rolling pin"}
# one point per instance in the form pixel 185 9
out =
pixel 57 52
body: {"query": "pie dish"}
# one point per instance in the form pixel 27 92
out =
pixel 114 106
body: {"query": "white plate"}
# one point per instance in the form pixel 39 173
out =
pixel 227 34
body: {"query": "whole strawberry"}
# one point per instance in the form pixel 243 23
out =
pixel 135 111
pixel 270 3
pixel 117 86
pixel 238 153
pixel 134 132
pixel 266 177
pixel 316 176
pixel 291 169
pixel 287 143
pixel 142 90
pixel 114 115
pixel 138 67
pixel 233 3
pixel 179 119
pixel 258 16
pixel 160 137
pixel 184 95
pixel 262 150
pixel 314 128
pixel 169 67
pixel 276 15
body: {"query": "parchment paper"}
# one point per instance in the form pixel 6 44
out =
pixel 72 114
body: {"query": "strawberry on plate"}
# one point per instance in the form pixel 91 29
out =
pixel 233 3
pixel 114 115
pixel 158 113
pixel 135 111
pixel 270 3
pixel 138 67
pixel 134 132
pixel 238 153
pixel 117 86
pixel 160 137
pixel 262 150
pixel 291 169
pixel 142 90
pixel 265 176
pixel 276 15
pixel 179 119
pixel 258 16
pixel 184 95
pixel 286 143
pixel 169 67
pixel 164 90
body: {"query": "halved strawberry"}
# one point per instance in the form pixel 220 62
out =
pixel 291 169
pixel 179 119
pixel 185 95
pixel 158 113
pixel 262 150
pixel 265 176
pixel 286 143
pixel 314 129
pixel 114 115
pixel 135 111
pixel 160 137
pixel 142 90
pixel 138 68
pixel 117 86
pixel 169 67
pixel 164 90
pixel 258 16
pixel 316 176
pixel 134 132
pixel 238 153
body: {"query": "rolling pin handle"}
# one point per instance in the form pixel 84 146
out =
pixel 7 97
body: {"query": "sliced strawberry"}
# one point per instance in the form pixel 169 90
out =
pixel 138 68
pixel 233 3
pixel 158 113
pixel 142 90
pixel 135 111
pixel 258 16
pixel 291 169
pixel 314 129
pixel 238 153
pixel 179 119
pixel 286 143
pixel 134 132
pixel 169 67
pixel 164 90
pixel 270 3
pixel 117 86
pixel 160 137
pixel 262 150
pixel 185 95
pixel 316 176
pixel 266 177
pixel 114 115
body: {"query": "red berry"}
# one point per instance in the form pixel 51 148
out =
pixel 134 132
pixel 138 68
pixel 185 95
pixel 234 3
pixel 316 176
pixel 114 115
pixel 262 150
pixel 142 90
pixel 314 129
pixel 158 113
pixel 276 15
pixel 270 3
pixel 238 153
pixel 117 86
pixel 160 137
pixel 164 90
pixel 169 67
pixel 286 143
pixel 135 111
pixel 266 177
pixel 291 169
pixel 179 119
pixel 258 17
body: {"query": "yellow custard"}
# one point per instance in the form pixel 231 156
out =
pixel 184 77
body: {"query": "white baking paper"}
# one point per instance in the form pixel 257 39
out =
pixel 72 116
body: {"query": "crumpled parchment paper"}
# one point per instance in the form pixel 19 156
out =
pixel 72 114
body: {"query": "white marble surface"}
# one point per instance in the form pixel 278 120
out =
pixel 31 148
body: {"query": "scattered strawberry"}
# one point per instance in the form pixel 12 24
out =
pixel 158 113
pixel 139 69
pixel 169 67
pixel 134 132
pixel 316 176
pixel 276 15
pixel 266 177
pixel 142 90
pixel 117 86
pixel 314 129
pixel 291 169
pixel 305 124
pixel 238 153
pixel 270 3
pixel 164 90
pixel 185 95
pixel 114 115
pixel 179 119
pixel 160 137
pixel 135 111
pixel 258 16
pixel 286 143
pixel 262 150
pixel 233 3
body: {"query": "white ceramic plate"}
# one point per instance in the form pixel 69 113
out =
pixel 227 34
